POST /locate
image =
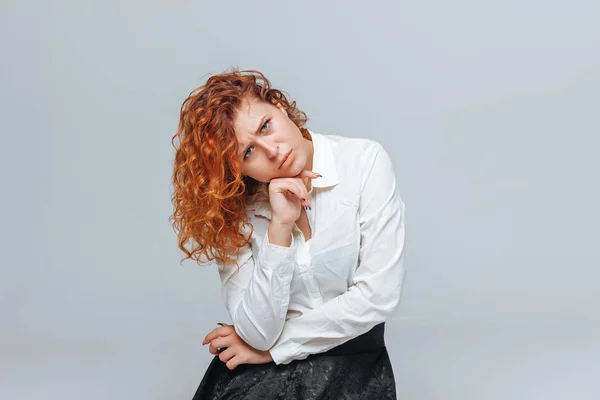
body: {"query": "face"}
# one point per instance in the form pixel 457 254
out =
pixel 271 145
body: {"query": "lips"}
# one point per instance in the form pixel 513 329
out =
pixel 285 158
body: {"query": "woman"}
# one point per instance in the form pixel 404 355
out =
pixel 308 233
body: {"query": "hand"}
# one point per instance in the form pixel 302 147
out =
pixel 237 351
pixel 287 195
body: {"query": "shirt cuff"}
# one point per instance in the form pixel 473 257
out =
pixel 281 354
pixel 273 256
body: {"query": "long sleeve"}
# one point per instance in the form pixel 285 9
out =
pixel 377 283
pixel 257 297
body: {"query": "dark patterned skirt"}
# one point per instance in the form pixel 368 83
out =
pixel 357 369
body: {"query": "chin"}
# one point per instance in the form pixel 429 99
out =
pixel 298 166
pixel 292 171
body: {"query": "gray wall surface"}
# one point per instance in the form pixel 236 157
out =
pixel 490 111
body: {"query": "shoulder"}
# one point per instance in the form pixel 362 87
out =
pixel 363 162
pixel 355 152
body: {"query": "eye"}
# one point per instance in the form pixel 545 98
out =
pixel 263 128
pixel 248 152
pixel 265 125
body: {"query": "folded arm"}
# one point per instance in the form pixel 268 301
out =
pixel 257 297
pixel 377 283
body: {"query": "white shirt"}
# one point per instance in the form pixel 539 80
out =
pixel 347 278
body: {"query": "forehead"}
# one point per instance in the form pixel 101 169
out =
pixel 249 114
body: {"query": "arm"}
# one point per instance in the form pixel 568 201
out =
pixel 377 283
pixel 257 297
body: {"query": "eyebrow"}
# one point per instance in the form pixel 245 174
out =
pixel 262 122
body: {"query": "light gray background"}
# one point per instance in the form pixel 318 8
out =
pixel 490 111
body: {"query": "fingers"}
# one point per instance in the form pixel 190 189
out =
pixel 215 333
pixel 233 363
pixel 305 176
pixel 219 343
pixel 227 355
pixel 309 174
pixel 301 192
pixel 294 186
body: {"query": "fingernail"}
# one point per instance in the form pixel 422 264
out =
pixel 320 176
pixel 220 323
pixel 303 199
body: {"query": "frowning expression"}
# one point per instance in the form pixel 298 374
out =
pixel 270 143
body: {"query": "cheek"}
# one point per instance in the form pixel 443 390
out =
pixel 257 173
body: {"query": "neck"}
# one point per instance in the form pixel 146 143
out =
pixel 309 161
pixel 310 153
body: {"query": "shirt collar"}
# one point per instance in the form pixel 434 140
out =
pixel 323 163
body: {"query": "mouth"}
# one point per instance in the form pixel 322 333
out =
pixel 285 158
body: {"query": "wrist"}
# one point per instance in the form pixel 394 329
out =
pixel 281 224
pixel 280 234
pixel 268 357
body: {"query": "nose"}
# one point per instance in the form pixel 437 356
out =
pixel 270 149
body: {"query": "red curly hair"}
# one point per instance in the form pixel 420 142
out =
pixel 209 190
